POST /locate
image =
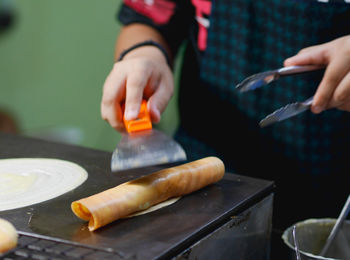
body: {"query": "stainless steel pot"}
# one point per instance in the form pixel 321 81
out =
pixel 312 235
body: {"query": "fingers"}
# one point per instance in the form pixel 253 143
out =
pixel 124 83
pixel 160 99
pixel 334 88
pixel 326 95
pixel 312 55
pixel 341 94
pixel 131 81
pixel 113 93
pixel 137 80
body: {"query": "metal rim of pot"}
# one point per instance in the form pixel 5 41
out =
pixel 307 221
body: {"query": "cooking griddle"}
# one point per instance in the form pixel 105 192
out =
pixel 157 235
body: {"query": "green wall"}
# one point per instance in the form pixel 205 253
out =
pixel 53 63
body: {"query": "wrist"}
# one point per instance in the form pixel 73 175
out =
pixel 148 52
pixel 145 48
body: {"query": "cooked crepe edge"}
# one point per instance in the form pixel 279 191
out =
pixel 84 213
pixel 80 210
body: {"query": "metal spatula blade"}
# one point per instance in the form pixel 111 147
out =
pixel 144 149
pixel 142 145
pixel 285 112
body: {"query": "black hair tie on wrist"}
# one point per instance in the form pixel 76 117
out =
pixel 146 43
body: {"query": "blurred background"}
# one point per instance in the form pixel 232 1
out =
pixel 54 58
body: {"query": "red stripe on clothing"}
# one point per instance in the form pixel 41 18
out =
pixel 160 11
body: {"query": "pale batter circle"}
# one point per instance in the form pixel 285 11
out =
pixel 28 181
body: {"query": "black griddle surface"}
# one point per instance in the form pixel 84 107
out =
pixel 157 235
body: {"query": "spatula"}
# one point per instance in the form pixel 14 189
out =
pixel 142 145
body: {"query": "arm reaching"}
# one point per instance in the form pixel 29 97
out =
pixel 142 73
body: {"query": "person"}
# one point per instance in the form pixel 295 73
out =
pixel 225 42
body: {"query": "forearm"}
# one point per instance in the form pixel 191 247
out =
pixel 136 33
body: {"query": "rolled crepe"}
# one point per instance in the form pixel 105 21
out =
pixel 8 236
pixel 139 194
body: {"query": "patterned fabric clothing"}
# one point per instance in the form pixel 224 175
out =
pixel 308 152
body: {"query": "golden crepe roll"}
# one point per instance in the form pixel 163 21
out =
pixel 144 192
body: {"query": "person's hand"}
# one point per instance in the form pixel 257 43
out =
pixel 334 89
pixel 143 73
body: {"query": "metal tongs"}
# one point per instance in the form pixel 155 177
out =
pixel 261 79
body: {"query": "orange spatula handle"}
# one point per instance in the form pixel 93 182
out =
pixel 142 122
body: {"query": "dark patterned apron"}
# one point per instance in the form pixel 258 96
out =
pixel 310 152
